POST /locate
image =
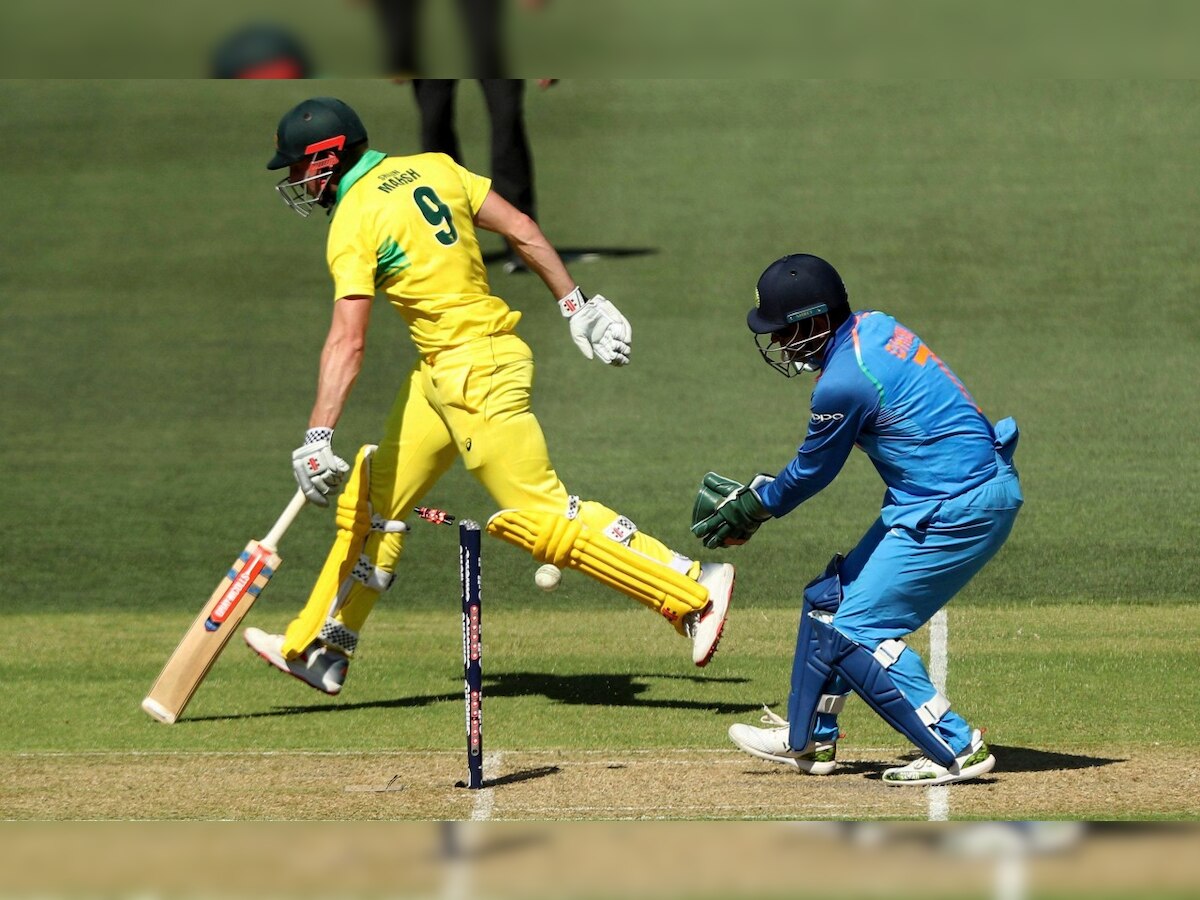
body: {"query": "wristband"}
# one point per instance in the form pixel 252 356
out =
pixel 313 435
pixel 572 303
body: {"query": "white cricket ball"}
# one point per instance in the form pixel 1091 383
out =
pixel 547 577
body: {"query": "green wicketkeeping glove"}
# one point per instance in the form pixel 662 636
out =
pixel 714 490
pixel 726 512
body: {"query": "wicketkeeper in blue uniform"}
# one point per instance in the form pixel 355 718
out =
pixel 952 497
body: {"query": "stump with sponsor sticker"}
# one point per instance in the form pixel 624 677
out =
pixel 469 546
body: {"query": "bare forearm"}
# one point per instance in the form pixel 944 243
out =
pixel 498 215
pixel 531 245
pixel 341 361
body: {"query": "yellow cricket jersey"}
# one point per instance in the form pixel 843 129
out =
pixel 405 225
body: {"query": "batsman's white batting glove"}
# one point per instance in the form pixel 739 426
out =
pixel 597 328
pixel 317 469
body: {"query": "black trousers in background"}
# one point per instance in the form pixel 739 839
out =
pixel 483 26
pixel 512 163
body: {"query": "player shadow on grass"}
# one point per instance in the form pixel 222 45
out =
pixel 483 844
pixel 757 768
pixel 1008 760
pixel 570 255
pixel 1030 759
pixel 1011 760
pixel 571 690
pixel 606 690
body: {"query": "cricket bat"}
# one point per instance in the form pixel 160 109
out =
pixel 218 620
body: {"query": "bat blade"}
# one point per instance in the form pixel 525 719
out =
pixel 203 642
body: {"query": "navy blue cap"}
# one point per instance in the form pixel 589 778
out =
pixel 796 288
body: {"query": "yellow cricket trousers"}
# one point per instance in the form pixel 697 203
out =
pixel 471 401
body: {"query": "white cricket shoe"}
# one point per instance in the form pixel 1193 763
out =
pixel 318 666
pixel 974 761
pixel 772 744
pixel 705 627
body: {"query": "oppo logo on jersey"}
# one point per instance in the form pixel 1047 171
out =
pixel 822 418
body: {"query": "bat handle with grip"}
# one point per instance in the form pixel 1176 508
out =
pixel 271 541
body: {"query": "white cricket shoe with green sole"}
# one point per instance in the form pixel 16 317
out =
pixel 772 744
pixel 973 762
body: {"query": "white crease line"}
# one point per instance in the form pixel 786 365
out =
pixel 939 630
pixel 35 754
pixel 784 809
pixel 1010 878
pixel 611 755
pixel 485 797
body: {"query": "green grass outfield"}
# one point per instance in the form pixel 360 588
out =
pixel 604 678
pixel 161 314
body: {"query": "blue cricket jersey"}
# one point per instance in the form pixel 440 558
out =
pixel 883 389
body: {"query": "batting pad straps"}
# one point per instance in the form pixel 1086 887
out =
pixel 372 576
pixel 867 672
pixel 570 544
pixel 932 710
pixel 888 652
pixel 833 703
pixel 621 530
pixel 338 636
pixel 680 563
pixel 387 526
pixel 346 566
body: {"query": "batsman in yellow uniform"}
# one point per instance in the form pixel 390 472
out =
pixel 405 226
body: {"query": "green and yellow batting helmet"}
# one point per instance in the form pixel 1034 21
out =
pixel 318 124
